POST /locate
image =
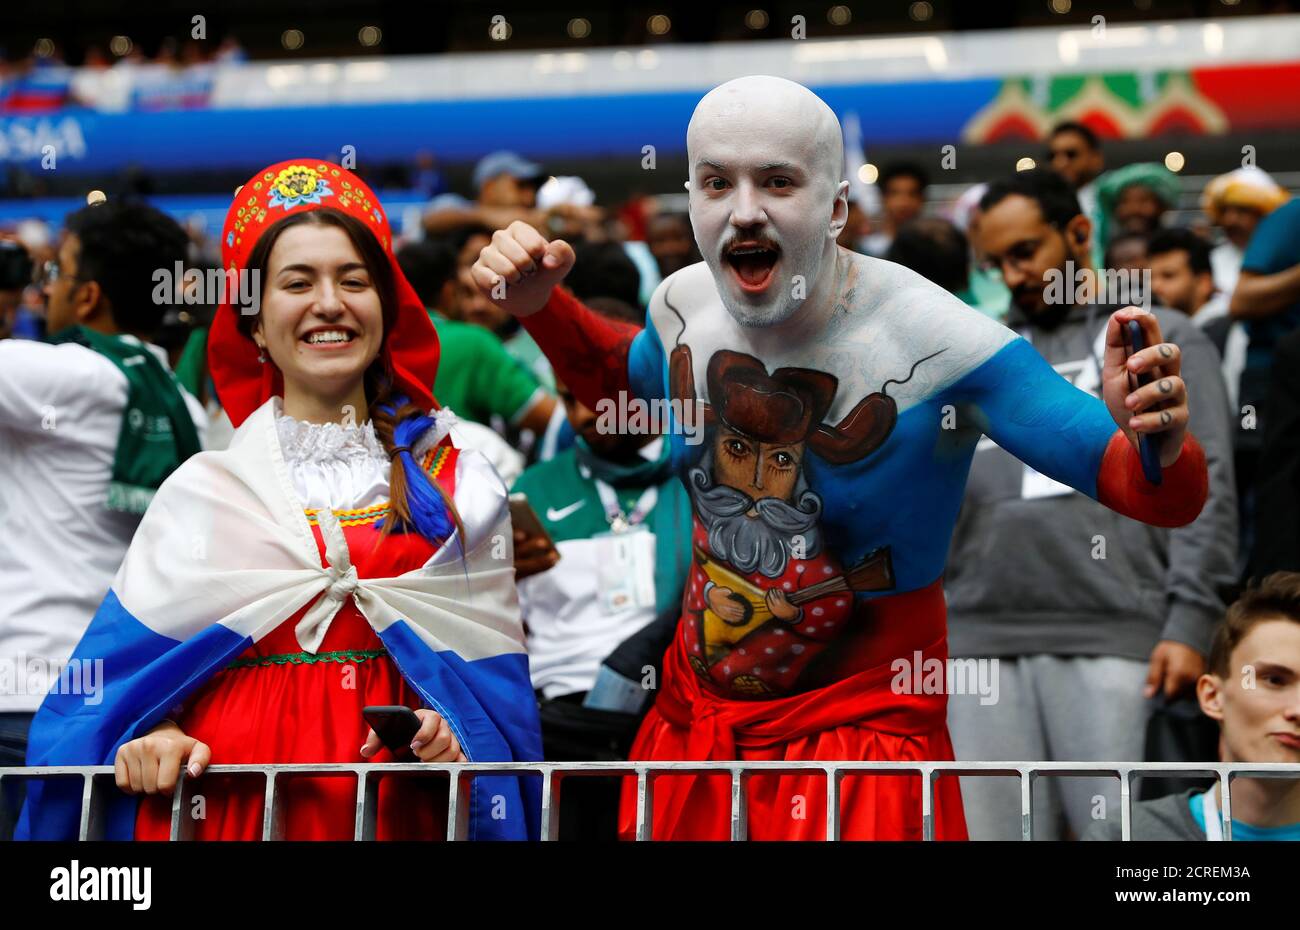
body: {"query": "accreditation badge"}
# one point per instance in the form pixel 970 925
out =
pixel 626 570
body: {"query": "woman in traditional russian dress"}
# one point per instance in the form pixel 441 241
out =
pixel 341 553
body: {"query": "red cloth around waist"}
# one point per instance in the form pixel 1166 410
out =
pixel 894 627
pixel 861 716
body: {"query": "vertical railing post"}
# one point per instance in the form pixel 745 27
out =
pixel 550 804
pixel 833 775
pixel 1225 809
pixel 739 806
pixel 458 803
pixel 182 826
pixel 1026 805
pixel 272 814
pixel 645 803
pixel 927 803
pixel 92 808
pixel 1125 804
pixel 367 815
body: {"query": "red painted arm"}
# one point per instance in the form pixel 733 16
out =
pixel 1176 501
pixel 588 351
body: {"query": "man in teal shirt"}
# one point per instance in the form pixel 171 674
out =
pixel 618 518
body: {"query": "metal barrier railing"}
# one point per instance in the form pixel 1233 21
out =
pixel 99 779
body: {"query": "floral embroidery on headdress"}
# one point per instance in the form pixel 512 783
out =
pixel 244 383
pixel 298 184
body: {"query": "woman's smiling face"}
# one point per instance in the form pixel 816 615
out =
pixel 321 317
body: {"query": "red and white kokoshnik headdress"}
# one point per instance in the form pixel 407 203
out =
pixel 243 383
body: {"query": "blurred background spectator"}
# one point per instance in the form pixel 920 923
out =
pixel 902 197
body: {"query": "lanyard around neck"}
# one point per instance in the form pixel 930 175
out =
pixel 618 521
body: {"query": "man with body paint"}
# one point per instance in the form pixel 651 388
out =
pixel 843 397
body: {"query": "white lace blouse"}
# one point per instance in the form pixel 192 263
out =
pixel 343 467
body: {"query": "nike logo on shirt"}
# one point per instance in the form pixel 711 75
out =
pixel 556 515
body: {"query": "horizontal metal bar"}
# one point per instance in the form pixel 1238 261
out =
pixel 96 781
pixel 986 769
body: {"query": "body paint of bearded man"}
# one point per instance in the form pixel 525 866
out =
pixel 864 389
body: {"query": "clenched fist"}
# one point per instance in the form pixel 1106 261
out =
pixel 518 268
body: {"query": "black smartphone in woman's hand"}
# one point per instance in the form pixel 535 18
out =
pixel 395 726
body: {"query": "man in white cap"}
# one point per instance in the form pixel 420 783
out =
pixel 506 186
pixel 824 407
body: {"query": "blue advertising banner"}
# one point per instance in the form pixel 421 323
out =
pixel 460 130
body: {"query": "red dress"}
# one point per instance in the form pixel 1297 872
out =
pixel 277 704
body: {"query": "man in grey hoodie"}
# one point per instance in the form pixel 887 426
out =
pixel 1090 615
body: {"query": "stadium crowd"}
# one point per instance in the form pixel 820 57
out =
pixel 1129 645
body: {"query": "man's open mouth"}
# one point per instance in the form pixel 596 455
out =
pixel 753 263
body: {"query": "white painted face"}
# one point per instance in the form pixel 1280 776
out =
pixel 766 196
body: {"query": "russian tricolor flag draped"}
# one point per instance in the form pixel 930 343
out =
pixel 224 555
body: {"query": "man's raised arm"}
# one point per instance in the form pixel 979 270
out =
pixel 1039 417
pixel 520 271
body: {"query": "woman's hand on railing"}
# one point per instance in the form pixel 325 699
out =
pixel 433 742
pixel 151 764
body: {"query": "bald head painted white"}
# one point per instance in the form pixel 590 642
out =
pixel 767 197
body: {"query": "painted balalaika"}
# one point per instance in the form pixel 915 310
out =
pixel 873 573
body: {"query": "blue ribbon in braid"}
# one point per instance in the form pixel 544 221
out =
pixel 428 508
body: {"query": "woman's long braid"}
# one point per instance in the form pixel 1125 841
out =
pixel 385 424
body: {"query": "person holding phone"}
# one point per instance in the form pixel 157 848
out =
pixel 835 404
pixel 341 555
pixel 1096 623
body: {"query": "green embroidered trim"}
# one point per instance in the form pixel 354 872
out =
pixel 308 658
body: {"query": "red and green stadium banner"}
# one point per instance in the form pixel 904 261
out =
pixel 1200 101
